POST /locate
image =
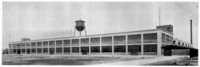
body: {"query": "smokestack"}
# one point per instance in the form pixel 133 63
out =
pixel 191 31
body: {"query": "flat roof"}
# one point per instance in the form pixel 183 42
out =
pixel 95 35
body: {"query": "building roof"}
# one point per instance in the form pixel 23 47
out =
pixel 95 35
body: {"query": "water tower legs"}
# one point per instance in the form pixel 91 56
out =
pixel 79 32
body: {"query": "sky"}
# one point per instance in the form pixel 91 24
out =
pixel 38 20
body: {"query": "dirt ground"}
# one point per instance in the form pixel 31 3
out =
pixel 64 60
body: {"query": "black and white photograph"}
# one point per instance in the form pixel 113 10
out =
pixel 100 33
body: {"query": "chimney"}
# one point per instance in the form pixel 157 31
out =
pixel 191 31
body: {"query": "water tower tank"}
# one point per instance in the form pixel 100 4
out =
pixel 80 25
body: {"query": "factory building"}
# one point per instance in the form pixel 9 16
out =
pixel 143 42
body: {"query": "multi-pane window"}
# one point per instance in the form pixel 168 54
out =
pixel 167 39
pixel 23 50
pixel 28 51
pixel 28 45
pixel 75 42
pixel 59 43
pixel 18 45
pixel 45 50
pixel 120 39
pixel 39 50
pixel 95 48
pixel 134 48
pixel 66 42
pixel 106 48
pixel 150 48
pixel 150 38
pixel 33 50
pixel 95 41
pixel 39 44
pixel 85 41
pixel 33 44
pixel 23 45
pixel 163 38
pixel 66 49
pixel 106 40
pixel 120 48
pixel 75 49
pixel 134 39
pixel 14 45
pixel 59 49
pixel 51 43
pixel 84 49
pixel 45 44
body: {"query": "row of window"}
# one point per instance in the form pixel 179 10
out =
pixel 131 39
pixel 166 38
pixel 119 48
pixel 181 43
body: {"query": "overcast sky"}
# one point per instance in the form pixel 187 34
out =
pixel 35 19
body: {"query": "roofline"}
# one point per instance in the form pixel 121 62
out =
pixel 91 35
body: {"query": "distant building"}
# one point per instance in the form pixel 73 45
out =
pixel 156 42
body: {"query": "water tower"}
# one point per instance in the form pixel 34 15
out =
pixel 80 26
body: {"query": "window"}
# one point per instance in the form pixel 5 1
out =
pixel 10 45
pixel 134 48
pixel 95 48
pixel 95 41
pixel 167 38
pixel 51 50
pixel 28 45
pixel 120 39
pixel 121 48
pixel 18 46
pixel 84 49
pixel 106 40
pixel 39 50
pixel 106 48
pixel 59 43
pixel 75 42
pixel 14 51
pixel 66 49
pixel 14 45
pixel 33 44
pixel 28 50
pixel 45 50
pixel 75 49
pixel 163 38
pixel 51 43
pixel 45 44
pixel 33 50
pixel 39 44
pixel 23 50
pixel 150 38
pixel 59 49
pixel 23 45
pixel 66 42
pixel 85 41
pixel 150 48
pixel 134 39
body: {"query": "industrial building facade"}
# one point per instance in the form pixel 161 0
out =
pixel 144 42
